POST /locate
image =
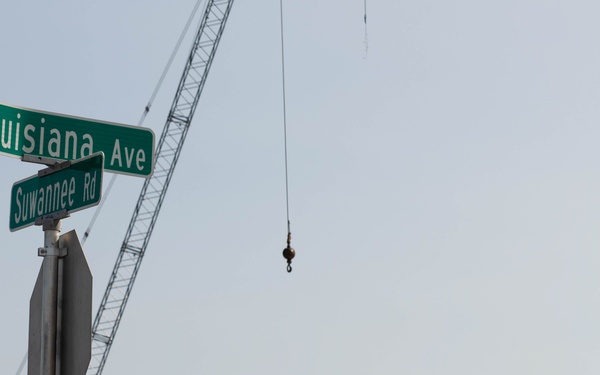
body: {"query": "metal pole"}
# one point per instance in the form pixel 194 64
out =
pixel 51 253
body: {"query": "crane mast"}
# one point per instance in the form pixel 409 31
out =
pixel 154 189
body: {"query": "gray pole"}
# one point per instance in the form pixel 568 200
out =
pixel 51 254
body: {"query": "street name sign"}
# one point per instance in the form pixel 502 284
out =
pixel 128 149
pixel 71 189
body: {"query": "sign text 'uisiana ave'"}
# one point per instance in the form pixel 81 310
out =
pixel 128 149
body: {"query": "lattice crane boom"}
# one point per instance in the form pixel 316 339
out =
pixel 154 189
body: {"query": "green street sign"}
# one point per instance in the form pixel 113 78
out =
pixel 71 189
pixel 128 149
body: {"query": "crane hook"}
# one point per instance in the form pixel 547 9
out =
pixel 289 253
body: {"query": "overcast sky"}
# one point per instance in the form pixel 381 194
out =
pixel 444 185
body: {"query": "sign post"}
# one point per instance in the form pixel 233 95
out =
pixel 51 253
pixel 128 149
pixel 74 312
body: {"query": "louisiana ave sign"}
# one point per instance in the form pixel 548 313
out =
pixel 128 149
pixel 72 189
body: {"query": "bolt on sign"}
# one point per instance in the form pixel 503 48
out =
pixel 71 189
pixel 128 149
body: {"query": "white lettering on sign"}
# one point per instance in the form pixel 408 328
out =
pixel 6 133
pixel 25 132
pixel 45 200
pixel 60 145
pixel 140 157
pixel 89 187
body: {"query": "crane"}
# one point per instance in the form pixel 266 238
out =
pixel 153 192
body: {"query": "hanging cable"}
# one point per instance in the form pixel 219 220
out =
pixel 144 114
pixel 168 66
pixel 97 212
pixel 366 34
pixel 288 252
pixel 23 362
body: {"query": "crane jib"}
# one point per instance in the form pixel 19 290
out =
pixel 153 192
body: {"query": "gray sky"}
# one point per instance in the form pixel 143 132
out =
pixel 443 185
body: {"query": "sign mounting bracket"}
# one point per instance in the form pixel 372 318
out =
pixel 50 162
pixel 58 166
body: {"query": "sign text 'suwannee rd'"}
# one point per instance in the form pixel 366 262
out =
pixel 71 189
